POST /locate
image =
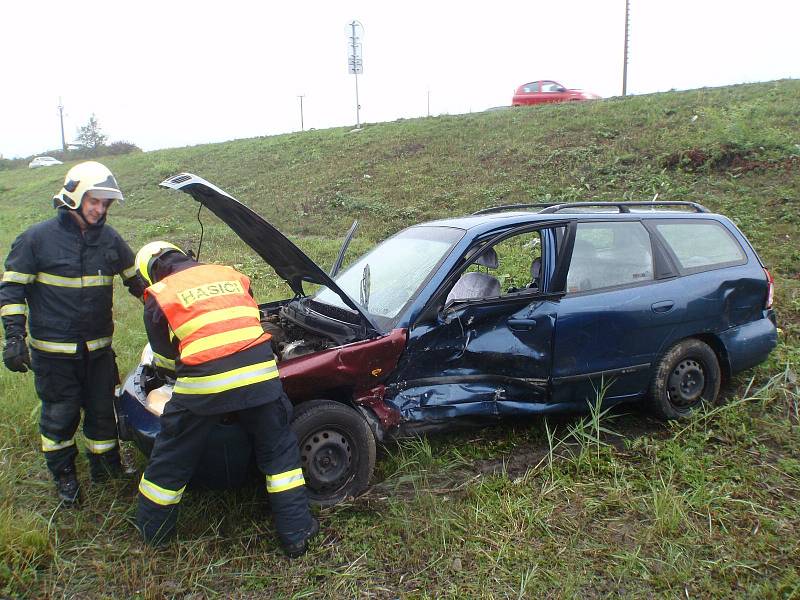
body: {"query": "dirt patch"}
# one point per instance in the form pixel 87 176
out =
pixel 514 465
pixel 688 160
pixel 406 150
pixel 726 160
pixel 503 160
pixel 741 165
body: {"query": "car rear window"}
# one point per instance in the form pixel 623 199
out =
pixel 701 245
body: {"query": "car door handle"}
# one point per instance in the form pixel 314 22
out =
pixel 663 306
pixel 522 324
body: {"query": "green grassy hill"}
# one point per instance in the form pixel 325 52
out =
pixel 705 508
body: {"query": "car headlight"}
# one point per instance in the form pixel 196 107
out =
pixel 157 399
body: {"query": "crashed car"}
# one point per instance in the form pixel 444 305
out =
pixel 512 311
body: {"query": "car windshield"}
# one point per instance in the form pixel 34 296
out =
pixel 385 279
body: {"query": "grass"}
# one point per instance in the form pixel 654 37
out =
pixel 606 504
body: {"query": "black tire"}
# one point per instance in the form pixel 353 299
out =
pixel 337 450
pixel 687 376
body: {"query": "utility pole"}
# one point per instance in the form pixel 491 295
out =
pixel 301 112
pixel 355 62
pixel 61 117
pixel 358 105
pixel 625 57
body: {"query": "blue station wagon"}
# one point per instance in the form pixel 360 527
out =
pixel 514 310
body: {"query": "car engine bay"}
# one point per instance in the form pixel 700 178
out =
pixel 290 340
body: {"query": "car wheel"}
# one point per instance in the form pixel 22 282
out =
pixel 687 376
pixel 337 450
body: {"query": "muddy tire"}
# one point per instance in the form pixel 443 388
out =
pixel 687 376
pixel 337 450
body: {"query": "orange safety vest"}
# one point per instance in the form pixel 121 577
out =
pixel 210 311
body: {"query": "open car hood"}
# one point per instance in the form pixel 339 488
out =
pixel 289 262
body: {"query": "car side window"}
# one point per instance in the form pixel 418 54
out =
pixel 510 266
pixel 517 259
pixel 550 86
pixel 608 255
pixel 701 244
pixel 531 88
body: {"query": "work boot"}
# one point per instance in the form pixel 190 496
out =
pixel 103 467
pixel 156 524
pixel 157 538
pixel 297 549
pixel 68 488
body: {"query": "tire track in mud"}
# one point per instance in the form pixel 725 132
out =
pixel 514 464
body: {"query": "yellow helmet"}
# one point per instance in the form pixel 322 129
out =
pixel 148 254
pixel 89 176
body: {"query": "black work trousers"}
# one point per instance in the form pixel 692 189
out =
pixel 180 445
pixel 65 386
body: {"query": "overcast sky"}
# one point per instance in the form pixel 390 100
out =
pixel 174 73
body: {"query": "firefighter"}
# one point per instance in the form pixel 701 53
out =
pixel 59 274
pixel 204 325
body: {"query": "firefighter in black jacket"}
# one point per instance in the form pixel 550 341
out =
pixel 204 329
pixel 60 273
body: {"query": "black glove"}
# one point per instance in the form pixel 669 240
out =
pixel 15 354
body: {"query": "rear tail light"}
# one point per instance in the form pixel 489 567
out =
pixel 770 289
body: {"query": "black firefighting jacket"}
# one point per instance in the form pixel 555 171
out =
pixel 63 280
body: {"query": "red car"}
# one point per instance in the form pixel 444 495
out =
pixel 539 92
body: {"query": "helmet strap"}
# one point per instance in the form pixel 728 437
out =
pixel 79 218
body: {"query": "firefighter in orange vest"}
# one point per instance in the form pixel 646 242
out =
pixel 203 323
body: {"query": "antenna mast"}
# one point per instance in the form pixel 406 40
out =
pixel 625 57
pixel 355 63
pixel 61 117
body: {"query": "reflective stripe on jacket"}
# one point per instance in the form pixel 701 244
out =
pixel 210 311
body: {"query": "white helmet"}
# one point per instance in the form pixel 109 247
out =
pixel 89 176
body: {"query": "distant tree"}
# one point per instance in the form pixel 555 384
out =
pixel 121 147
pixel 90 136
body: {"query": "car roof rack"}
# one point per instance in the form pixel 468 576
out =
pixel 623 207
pixel 494 209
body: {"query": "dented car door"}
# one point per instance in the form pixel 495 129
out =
pixel 485 356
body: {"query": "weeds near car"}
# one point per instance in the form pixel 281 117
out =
pixel 588 430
